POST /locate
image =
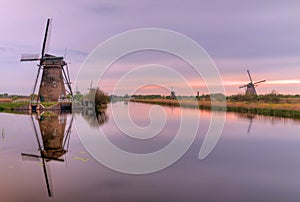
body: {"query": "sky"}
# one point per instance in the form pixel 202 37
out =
pixel 262 36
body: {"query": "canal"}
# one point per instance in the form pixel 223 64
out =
pixel 44 157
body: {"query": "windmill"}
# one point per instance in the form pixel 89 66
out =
pixel 172 96
pixel 55 72
pixel 250 87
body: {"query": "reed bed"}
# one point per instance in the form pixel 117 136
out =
pixel 288 110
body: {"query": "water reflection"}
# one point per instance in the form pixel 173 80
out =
pixel 255 118
pixel 250 117
pixel 54 141
pixel 263 166
pixel 3 134
pixel 94 118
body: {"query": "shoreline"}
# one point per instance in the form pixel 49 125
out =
pixel 284 110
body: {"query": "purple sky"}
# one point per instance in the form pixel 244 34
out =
pixel 263 36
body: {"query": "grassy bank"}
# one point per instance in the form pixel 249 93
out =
pixel 10 106
pixel 288 110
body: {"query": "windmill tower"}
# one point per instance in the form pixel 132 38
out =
pixel 55 73
pixel 172 96
pixel 250 87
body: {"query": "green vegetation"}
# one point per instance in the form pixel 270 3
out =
pixel 4 95
pixel 101 99
pixel 267 98
pixel 78 97
pixel 146 96
pixel 271 104
pixel 266 111
pixel 272 97
pixel 48 104
pixel 10 106
pixel 47 116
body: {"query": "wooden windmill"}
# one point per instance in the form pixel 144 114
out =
pixel 55 72
pixel 250 87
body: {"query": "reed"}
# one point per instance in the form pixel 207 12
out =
pixel 288 110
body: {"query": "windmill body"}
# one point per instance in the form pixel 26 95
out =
pixel 250 87
pixel 250 90
pixel 55 73
pixel 52 85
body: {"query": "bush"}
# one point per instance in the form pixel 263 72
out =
pixel 268 98
pixel 101 98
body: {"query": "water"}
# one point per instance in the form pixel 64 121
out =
pixel 256 159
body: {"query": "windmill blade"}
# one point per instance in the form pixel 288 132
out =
pixel 35 83
pixel 30 157
pixel 249 75
pixel 91 85
pixel 29 57
pixel 244 86
pixel 65 55
pixel 67 80
pixel 52 58
pixel 46 38
pixel 260 81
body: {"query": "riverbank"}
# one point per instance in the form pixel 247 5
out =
pixel 16 106
pixel 10 106
pixel 287 110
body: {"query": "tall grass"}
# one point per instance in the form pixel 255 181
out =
pixel 288 110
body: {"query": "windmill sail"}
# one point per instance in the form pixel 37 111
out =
pixel 260 81
pixel 29 57
pixel 249 76
pixel 46 41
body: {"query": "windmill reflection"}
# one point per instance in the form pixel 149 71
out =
pixel 250 117
pixel 53 140
pixel 3 134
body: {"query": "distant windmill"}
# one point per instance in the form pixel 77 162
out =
pixel 172 96
pixel 55 72
pixel 91 86
pixel 250 87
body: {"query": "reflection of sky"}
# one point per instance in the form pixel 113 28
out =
pixel 261 36
pixel 260 166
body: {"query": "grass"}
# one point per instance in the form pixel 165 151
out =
pixel 288 110
pixel 11 105
pixel 48 104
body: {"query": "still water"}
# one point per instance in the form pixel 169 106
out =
pixel 257 158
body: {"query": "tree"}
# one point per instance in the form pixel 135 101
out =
pixel 101 98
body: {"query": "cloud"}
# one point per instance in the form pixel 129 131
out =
pixel 260 35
